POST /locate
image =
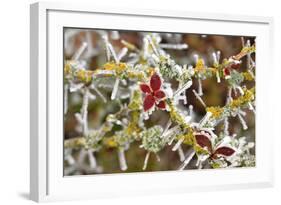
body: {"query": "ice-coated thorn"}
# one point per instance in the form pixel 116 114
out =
pixel 91 96
pixel 70 159
pixel 122 159
pixel 105 39
pixel 152 46
pixel 115 89
pixel 199 98
pixel 122 53
pixel 180 90
pixel 99 93
pixel 112 51
pixel 158 158
pixel 251 107
pixel 242 121
pixel 92 159
pixel 225 126
pixel 178 144
pixel 215 58
pixel 65 99
pixel 146 161
pixel 196 57
pixel 174 46
pixel 180 153
pixel 78 118
pixel 190 107
pixel 115 35
pixel 205 119
pixel 218 77
pixel 79 52
pixel 187 160
pixel 155 58
pixel 81 156
pixel 240 90
pixel 200 89
pixel 169 123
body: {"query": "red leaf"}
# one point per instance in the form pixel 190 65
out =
pixel 148 103
pixel 226 71
pixel 145 88
pixel 155 82
pixel 203 141
pixel 159 94
pixel 161 105
pixel 226 151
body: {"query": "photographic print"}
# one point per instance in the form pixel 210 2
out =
pixel 141 101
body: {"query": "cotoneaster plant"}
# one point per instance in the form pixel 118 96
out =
pixel 146 81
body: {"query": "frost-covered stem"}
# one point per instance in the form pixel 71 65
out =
pixel 115 89
pixel 234 91
pixel 117 60
pixel 248 56
pixel 218 77
pixel 122 159
pixel 146 161
pixel 174 46
pixel 152 45
pixel 196 57
pixel 218 55
pixel 186 161
pixel 84 111
pixel 81 156
pixel 199 98
pixel 166 127
pixel 253 65
pixel 252 74
pixel 200 164
pixel 178 144
pixel 251 107
pixel 145 47
pixel 200 90
pixel 90 44
pixel 157 158
pixel 242 121
pixel 99 93
pixel 171 140
pixel 215 59
pixel 226 126
pixel 70 159
pixel 122 53
pixel 190 107
pixel 240 90
pixel 183 88
pixel 115 35
pixel 111 49
pixel 92 159
pixel 242 42
pixel 65 98
pixel 106 43
pixel 181 154
pixel 171 132
pixel 229 93
pixel 129 45
pixel 79 52
pixel 205 119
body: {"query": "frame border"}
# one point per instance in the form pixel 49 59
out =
pixel 39 188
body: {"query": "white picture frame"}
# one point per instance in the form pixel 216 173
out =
pixel 47 182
